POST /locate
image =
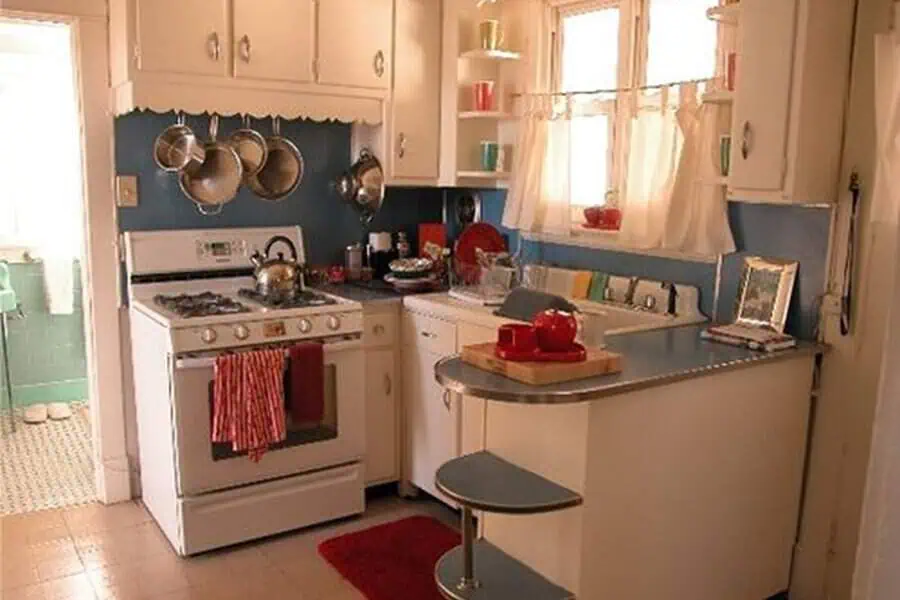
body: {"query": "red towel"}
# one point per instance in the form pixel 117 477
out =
pixel 307 395
pixel 248 405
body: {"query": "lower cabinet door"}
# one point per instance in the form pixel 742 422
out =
pixel 382 464
pixel 432 420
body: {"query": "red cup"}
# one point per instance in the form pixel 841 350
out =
pixel 337 274
pixel 518 337
pixel 483 92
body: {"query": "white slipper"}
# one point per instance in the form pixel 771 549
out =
pixel 35 414
pixel 59 411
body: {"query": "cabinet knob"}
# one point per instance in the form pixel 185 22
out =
pixel 747 140
pixel 388 385
pixel 378 64
pixel 214 46
pixel 401 145
pixel 245 48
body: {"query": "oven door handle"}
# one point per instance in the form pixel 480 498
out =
pixel 208 362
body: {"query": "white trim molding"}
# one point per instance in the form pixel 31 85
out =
pixel 609 242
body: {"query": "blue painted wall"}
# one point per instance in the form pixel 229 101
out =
pixel 773 231
pixel 794 233
pixel 329 223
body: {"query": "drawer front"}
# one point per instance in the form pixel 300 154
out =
pixel 380 329
pixel 429 333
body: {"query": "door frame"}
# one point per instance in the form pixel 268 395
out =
pixel 88 21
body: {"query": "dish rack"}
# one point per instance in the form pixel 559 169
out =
pixel 480 284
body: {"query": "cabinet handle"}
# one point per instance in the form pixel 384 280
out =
pixel 378 329
pixel 428 335
pixel 214 46
pixel 379 64
pixel 747 140
pixel 401 145
pixel 246 48
pixel 445 398
pixel 388 385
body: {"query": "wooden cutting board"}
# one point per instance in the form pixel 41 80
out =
pixel 599 362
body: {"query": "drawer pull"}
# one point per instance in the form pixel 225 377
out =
pixel 401 145
pixel 378 64
pixel 214 46
pixel 246 49
pixel 388 385
pixel 429 335
pixel 747 141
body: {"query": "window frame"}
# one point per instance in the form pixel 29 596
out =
pixel 634 46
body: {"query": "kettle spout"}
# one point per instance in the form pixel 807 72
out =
pixel 257 259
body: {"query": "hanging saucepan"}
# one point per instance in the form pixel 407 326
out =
pixel 283 170
pixel 251 148
pixel 177 148
pixel 217 180
pixel 362 185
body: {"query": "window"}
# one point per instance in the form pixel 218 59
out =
pixel 616 45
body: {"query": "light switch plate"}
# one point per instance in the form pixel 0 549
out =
pixel 127 191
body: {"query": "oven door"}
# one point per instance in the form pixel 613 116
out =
pixel 338 439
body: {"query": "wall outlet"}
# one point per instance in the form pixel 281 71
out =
pixel 127 191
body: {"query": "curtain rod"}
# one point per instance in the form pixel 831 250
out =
pixel 614 90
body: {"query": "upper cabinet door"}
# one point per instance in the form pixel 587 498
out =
pixel 274 41
pixel 183 36
pixel 417 89
pixel 354 43
pixel 763 97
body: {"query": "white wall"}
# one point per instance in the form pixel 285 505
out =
pixel 826 557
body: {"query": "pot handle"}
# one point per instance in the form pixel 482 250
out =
pixel 281 238
pixel 276 127
pixel 209 212
pixel 213 127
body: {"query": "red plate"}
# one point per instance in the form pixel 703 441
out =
pixel 576 354
pixel 478 235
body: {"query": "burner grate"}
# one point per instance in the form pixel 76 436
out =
pixel 206 304
pixel 304 299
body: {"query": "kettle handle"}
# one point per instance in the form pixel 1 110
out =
pixel 281 238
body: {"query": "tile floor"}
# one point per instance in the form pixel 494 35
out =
pixel 117 552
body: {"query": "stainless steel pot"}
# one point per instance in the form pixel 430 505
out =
pixel 251 147
pixel 283 170
pixel 215 182
pixel 362 185
pixel 177 148
pixel 277 276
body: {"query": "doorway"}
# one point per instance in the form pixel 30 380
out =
pixel 46 457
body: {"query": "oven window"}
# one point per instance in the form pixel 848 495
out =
pixel 300 432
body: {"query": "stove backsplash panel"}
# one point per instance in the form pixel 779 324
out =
pixel 329 223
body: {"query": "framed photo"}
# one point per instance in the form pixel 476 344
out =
pixel 765 293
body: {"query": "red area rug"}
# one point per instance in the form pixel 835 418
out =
pixel 394 560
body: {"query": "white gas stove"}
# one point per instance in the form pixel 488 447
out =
pixel 193 299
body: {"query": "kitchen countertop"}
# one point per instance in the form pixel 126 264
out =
pixel 651 359
pixel 362 295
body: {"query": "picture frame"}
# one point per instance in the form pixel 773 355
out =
pixel 765 293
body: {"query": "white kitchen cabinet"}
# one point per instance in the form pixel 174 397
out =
pixel 473 410
pixel 381 417
pixel 415 114
pixel 788 114
pixel 275 43
pixel 432 416
pixel 183 36
pixel 354 43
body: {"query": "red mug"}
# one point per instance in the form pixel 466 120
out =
pixel 337 274
pixel 518 337
pixel 483 92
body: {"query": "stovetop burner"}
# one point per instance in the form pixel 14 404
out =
pixel 302 299
pixel 206 304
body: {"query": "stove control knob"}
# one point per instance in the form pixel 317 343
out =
pixel 334 323
pixel 209 336
pixel 241 332
pixel 305 326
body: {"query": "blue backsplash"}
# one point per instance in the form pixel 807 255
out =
pixel 330 225
pixel 788 232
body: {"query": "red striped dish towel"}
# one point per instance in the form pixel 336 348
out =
pixel 248 401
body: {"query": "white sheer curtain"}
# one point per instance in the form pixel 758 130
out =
pixel 650 168
pixel 539 194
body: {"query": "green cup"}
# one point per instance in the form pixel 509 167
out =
pixel 490 153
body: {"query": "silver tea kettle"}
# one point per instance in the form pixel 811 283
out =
pixel 277 276
pixel 362 185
